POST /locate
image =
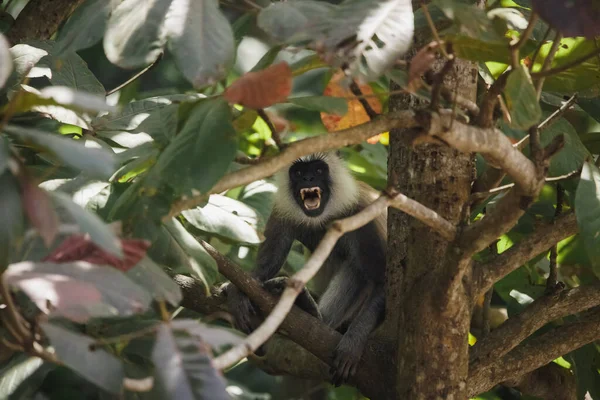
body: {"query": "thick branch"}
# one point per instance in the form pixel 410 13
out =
pixel 334 140
pixel 40 19
pixel 542 311
pixel 535 353
pixel 544 237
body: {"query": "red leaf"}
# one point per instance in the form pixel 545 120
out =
pixel 261 89
pixel 81 248
pixel 39 210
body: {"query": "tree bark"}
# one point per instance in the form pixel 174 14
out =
pixel 432 328
pixel 40 19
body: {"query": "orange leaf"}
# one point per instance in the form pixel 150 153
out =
pixel 420 63
pixel 356 113
pixel 262 88
pixel 40 210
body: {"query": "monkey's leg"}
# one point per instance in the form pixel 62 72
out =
pixel 350 349
pixel 341 295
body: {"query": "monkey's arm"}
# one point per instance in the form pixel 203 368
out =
pixel 272 253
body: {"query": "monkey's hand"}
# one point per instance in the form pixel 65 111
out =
pixel 346 359
pixel 241 308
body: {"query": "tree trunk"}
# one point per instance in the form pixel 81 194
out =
pixel 430 321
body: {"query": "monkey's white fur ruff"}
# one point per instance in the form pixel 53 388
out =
pixel 344 192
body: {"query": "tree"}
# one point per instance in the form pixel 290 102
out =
pixel 122 210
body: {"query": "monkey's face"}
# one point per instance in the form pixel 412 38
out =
pixel 310 185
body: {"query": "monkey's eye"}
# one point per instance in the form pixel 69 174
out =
pixel 298 173
pixel 319 171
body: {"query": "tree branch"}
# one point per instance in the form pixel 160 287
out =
pixel 535 353
pixel 542 311
pixel 40 19
pixel 544 237
pixel 334 140
pixel 566 66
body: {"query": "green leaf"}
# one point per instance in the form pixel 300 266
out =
pixel 587 209
pixel 585 366
pixel 216 336
pixel 6 64
pixel 330 105
pixel 184 367
pixel 583 77
pixel 16 372
pixel 134 114
pixel 135 34
pixel 85 27
pixel 95 163
pixel 97 366
pixel 79 290
pixel 478 50
pixel 472 21
pixel 571 157
pixel 591 140
pixel 100 233
pixel 259 195
pixel 201 40
pixel 226 218
pixel 295 20
pixel 521 99
pixel 11 217
pixel 201 152
pixel 152 278
pixel 200 262
pixel 31 98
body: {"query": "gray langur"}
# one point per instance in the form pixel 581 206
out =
pixel 312 192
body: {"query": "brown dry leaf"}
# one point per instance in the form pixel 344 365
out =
pixel 421 63
pixel 356 114
pixel 263 88
pixel 81 248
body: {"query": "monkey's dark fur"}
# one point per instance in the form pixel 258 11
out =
pixel 314 191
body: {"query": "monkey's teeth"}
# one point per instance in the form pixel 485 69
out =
pixel 311 197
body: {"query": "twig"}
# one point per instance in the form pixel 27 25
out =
pixel 547 62
pixel 552 281
pixel 247 160
pixel 125 337
pixel 544 237
pixel 487 300
pixel 438 83
pixel 565 67
pixel 434 29
pixel 134 77
pixel 359 96
pixel 274 134
pixel 558 113
pixel 514 48
pixel 486 116
pixel 298 281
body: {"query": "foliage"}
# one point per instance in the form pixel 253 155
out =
pixel 83 169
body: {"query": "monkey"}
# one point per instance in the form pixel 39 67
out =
pixel 312 192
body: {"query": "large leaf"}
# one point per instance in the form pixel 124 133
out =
pixel 6 65
pixel 17 371
pixel 201 152
pixel 478 50
pixel 521 99
pixel 184 368
pixel 67 70
pixel 587 209
pixel 94 162
pixel 152 278
pixel 201 263
pixel 585 366
pixel 11 216
pixel 227 218
pixel 578 18
pixel 582 77
pixel 328 104
pixel 384 35
pixel 471 20
pixel 571 157
pixel 135 34
pixel 96 365
pixel 259 195
pixel 216 336
pixel 201 40
pixel 78 290
pixel 295 20
pixel 100 233
pixel 85 27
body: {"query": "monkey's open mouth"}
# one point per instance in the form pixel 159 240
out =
pixel 311 197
